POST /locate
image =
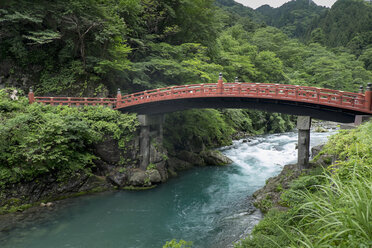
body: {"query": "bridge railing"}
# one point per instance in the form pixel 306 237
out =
pixel 355 101
pixel 77 101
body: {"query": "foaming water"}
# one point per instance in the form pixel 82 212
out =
pixel 210 206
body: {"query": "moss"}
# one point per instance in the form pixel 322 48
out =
pixel 137 188
pixel 6 209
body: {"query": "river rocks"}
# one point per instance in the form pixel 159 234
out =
pixel 137 177
pixel 269 196
pixel 48 204
pixel 162 169
pixel 316 149
pixel 186 160
pixel 157 152
pixel 191 157
pixel 117 178
pixel 18 195
pixel 176 164
pixel 153 176
pixel 108 150
pixel 325 160
pixel 213 157
pixel 144 178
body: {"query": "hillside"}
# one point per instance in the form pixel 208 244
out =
pixel 294 18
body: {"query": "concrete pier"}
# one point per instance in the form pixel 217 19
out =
pixel 147 124
pixel 303 126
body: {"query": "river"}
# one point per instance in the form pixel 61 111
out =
pixel 210 206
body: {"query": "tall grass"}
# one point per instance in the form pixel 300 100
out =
pixel 339 214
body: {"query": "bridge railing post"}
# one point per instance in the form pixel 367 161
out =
pixel 31 96
pixel 220 84
pixel 118 98
pixel 368 97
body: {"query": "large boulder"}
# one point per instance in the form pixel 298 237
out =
pixel 157 152
pixel 108 150
pixel 118 178
pixel 153 176
pixel 191 157
pixel 175 164
pixel 138 178
pixel 162 169
pixel 316 150
pixel 214 157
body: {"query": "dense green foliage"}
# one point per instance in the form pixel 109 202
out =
pixel 41 140
pixel 213 128
pixel 329 209
pixel 294 18
pixel 348 24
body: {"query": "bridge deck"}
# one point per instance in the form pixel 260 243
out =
pixel 306 96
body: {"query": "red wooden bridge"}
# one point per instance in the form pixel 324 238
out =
pixel 320 103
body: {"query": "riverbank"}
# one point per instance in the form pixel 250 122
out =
pixel 207 205
pixel 327 205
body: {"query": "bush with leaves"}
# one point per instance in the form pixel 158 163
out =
pixel 39 140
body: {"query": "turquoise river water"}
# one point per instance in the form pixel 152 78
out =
pixel 210 206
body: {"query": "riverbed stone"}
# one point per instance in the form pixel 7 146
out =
pixel 315 150
pixel 157 152
pixel 153 176
pixel 162 169
pixel 117 178
pixel 108 150
pixel 213 157
pixel 137 177
pixel 269 196
pixel 176 164
pixel 191 157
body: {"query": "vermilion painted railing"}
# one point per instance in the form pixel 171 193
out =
pixel 76 101
pixel 344 100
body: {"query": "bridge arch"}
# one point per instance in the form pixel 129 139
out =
pixel 324 104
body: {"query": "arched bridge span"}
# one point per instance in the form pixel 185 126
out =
pixel 324 104
pixel 319 103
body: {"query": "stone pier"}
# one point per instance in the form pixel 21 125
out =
pixel 150 126
pixel 303 126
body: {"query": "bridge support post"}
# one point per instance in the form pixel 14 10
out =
pixel 220 84
pixel 368 97
pixel 147 123
pixel 31 96
pixel 118 99
pixel 359 119
pixel 303 126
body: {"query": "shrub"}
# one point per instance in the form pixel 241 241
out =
pixel 37 140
